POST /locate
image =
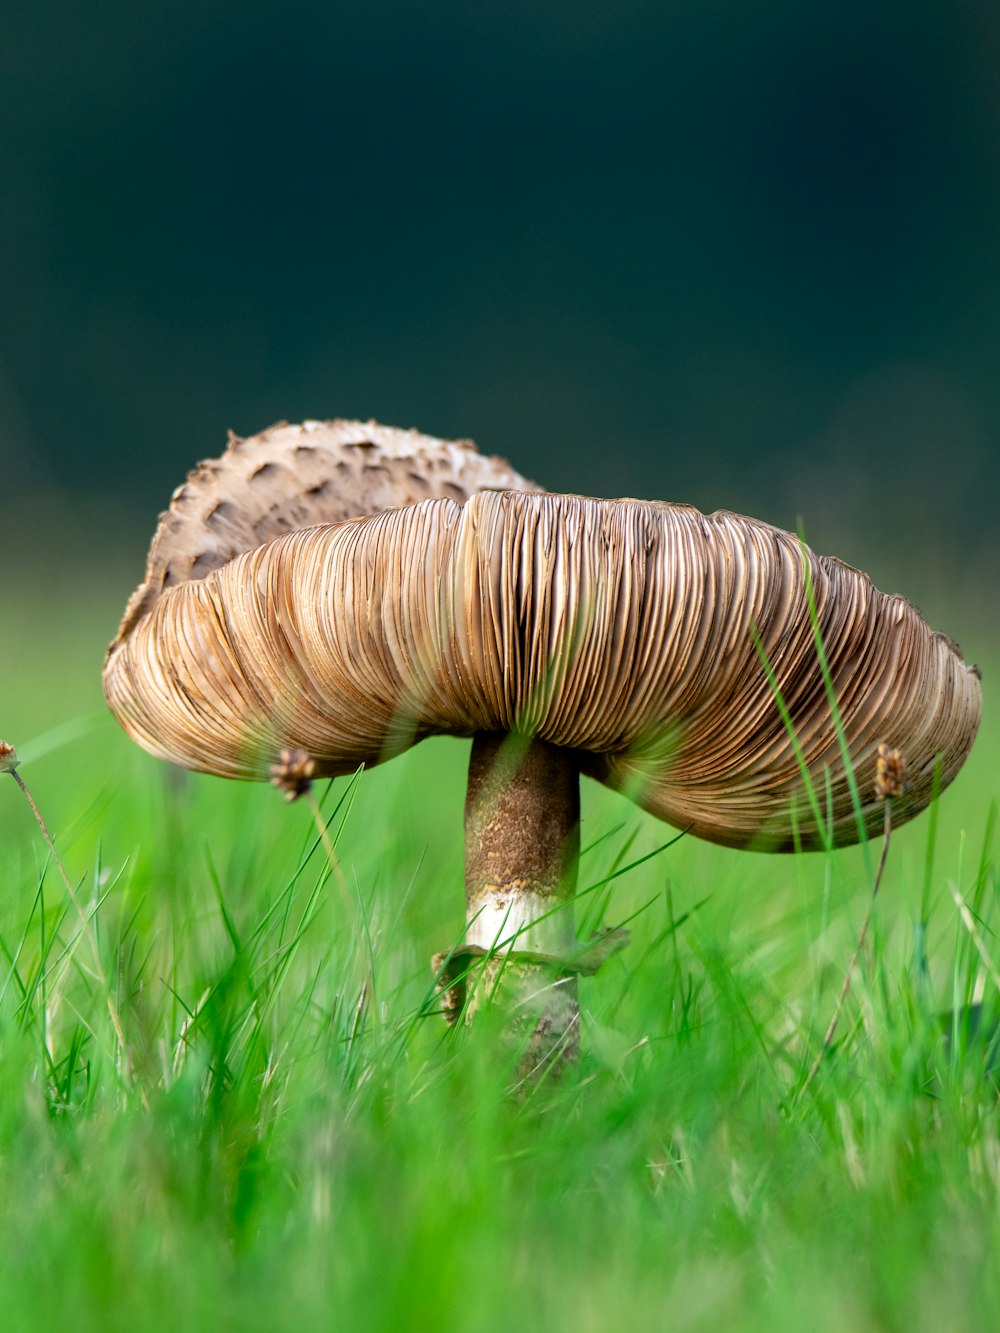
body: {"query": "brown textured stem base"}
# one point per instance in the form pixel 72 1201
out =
pixel 522 843
pixel 540 1011
pixel 521 955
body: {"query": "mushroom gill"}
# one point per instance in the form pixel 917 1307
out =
pixel 636 635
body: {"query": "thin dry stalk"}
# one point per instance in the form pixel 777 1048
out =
pixel 331 855
pixel 293 774
pixel 845 987
pixel 969 922
pixel 9 765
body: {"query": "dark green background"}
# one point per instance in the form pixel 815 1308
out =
pixel 738 254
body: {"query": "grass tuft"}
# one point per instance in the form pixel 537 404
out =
pixel 228 1101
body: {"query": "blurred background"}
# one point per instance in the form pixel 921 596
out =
pixel 743 255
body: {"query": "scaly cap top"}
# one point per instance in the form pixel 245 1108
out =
pixel 290 477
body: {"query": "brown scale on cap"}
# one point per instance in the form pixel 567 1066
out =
pixel 290 477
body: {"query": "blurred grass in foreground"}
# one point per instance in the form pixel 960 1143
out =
pixel 290 1139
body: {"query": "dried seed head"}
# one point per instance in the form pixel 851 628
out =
pixel 293 773
pixel 8 758
pixel 890 773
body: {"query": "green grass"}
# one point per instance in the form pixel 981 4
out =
pixel 290 1139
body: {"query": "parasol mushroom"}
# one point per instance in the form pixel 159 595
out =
pixel 671 655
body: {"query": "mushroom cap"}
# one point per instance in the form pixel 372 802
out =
pixel 632 632
pixel 290 477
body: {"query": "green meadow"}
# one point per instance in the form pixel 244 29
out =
pixel 227 1100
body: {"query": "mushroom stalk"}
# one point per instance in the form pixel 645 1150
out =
pixel 522 845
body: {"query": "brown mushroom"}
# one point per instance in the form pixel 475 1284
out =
pixel 671 655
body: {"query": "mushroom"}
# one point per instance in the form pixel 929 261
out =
pixel 671 655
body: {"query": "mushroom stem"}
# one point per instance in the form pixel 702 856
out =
pixel 522 845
